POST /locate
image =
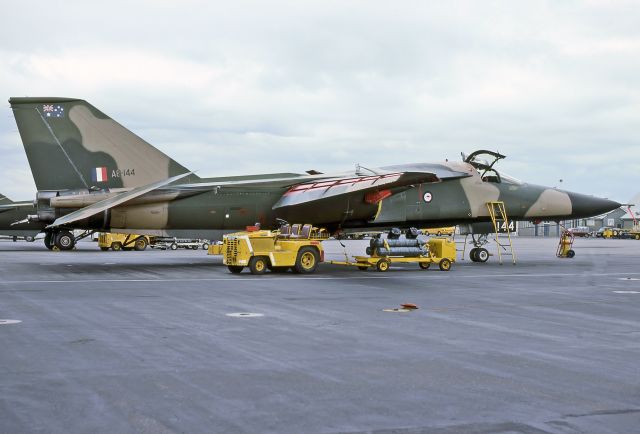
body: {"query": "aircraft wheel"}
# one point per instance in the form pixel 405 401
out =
pixel 64 240
pixel 173 246
pixel 472 254
pixel 235 269
pixel 571 253
pixel 445 265
pixel 116 247
pixel 482 255
pixel 48 240
pixel 382 265
pixel 104 249
pixel 425 265
pixel 257 265
pixel 140 244
pixel 307 260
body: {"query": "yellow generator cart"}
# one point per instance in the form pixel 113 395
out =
pixel 115 241
pixel 296 247
pixel 565 245
pixel 441 251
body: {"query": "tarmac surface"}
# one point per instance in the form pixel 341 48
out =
pixel 141 342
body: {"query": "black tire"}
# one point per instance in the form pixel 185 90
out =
pixel 258 264
pixel 48 240
pixel 383 265
pixel 104 249
pixel 472 254
pixel 29 239
pixel 205 246
pixel 65 240
pixel 571 253
pixel 235 269
pixel 424 265
pixel 637 237
pixel 173 246
pixel 368 251
pixel 116 247
pixel 194 247
pixel 445 265
pixel 140 244
pixel 307 260
pixel 482 255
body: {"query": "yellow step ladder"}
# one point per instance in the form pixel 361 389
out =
pixel 498 212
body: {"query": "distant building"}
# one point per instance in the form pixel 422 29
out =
pixel 618 218
pixel 632 215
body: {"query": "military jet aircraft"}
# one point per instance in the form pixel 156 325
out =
pixel 93 174
pixel 14 220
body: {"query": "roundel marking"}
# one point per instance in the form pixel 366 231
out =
pixel 427 197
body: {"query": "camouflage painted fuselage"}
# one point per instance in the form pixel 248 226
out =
pixel 92 171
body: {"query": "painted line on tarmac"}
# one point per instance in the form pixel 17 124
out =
pixel 262 278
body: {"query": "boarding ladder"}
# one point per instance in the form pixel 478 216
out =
pixel 498 214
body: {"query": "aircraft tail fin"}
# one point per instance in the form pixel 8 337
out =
pixel 70 144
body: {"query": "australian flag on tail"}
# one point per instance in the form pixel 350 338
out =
pixel 53 111
pixel 99 174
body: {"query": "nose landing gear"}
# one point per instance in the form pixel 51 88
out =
pixel 479 254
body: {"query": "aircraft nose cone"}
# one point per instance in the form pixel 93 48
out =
pixel 589 206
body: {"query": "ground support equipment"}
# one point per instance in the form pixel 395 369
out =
pixel 296 247
pixel 440 251
pixel 498 212
pixel 565 246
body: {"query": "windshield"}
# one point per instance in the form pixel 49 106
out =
pixel 496 177
pixel 510 179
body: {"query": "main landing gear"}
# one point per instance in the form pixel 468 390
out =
pixel 63 239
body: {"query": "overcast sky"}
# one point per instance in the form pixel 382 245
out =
pixel 229 88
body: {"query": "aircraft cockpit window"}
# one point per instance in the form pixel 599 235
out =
pixel 491 176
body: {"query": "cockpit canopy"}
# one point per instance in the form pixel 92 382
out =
pixel 484 161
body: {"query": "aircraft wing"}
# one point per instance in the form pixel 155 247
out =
pixel 380 187
pixel 113 201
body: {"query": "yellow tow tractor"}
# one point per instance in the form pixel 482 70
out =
pixel 384 252
pixel 296 247
pixel 116 241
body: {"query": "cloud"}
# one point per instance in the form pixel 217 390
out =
pixel 245 87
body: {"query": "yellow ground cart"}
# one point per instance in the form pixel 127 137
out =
pixel 116 241
pixel 565 245
pixel 296 247
pixel 441 251
pixel 449 230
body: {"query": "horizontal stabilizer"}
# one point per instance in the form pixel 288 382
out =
pixel 113 201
